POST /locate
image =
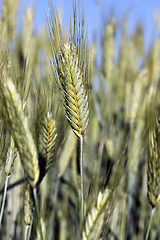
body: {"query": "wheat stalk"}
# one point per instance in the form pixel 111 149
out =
pixel 74 97
pixel 71 72
pixel 11 155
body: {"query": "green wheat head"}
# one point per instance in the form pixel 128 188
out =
pixel 71 69
pixel 28 204
pixel 153 172
pixel 47 144
pixel 20 132
pixel 94 220
pixel 108 51
pixel 8 17
pixel 10 158
pixel 74 96
pixel 153 145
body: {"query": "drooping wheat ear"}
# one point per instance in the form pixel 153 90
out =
pixel 21 133
pixel 47 144
pixel 74 95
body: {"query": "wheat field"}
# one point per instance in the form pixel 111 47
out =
pixel 78 161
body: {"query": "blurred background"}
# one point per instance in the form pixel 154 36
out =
pixel 98 13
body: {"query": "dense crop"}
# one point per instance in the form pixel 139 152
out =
pixel 78 161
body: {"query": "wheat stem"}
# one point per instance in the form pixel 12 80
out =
pixel 37 211
pixel 54 203
pixel 4 199
pixel 81 172
pixel 150 223
pixel 27 228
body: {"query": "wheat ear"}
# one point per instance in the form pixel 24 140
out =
pixel 108 54
pixel 95 219
pixel 153 160
pixel 47 144
pixel 23 138
pixel 71 72
pixel 21 133
pixel 153 146
pixel 74 97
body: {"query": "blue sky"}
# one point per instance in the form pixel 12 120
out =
pixel 97 11
pixel 140 10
